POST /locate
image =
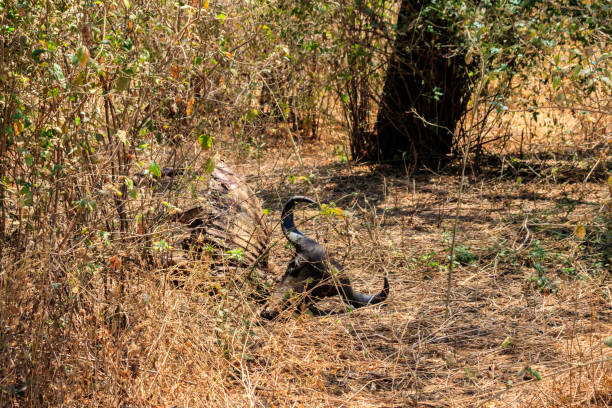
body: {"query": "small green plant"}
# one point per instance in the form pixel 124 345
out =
pixel 331 210
pixel 463 255
pixel 161 245
pixel 537 252
pixel 506 342
pixel 340 153
pixel 541 281
pixel 428 259
pixel 537 257
pixel 529 373
pixel 569 271
pixel 446 237
pixel 235 254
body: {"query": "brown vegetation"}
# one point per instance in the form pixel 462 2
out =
pixel 153 344
pixel 94 310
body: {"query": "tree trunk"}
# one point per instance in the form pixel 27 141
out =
pixel 425 92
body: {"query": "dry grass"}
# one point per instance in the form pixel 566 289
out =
pixel 94 320
pixel 132 337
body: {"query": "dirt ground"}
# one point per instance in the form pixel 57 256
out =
pixel 529 307
pixel 528 298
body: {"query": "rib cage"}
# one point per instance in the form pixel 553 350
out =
pixel 226 219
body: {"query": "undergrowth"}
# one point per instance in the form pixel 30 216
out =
pixel 98 101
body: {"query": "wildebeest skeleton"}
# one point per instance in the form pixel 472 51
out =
pixel 230 219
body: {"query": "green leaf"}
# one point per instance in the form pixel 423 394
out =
pixel 37 53
pixel 506 342
pixel 205 141
pixel 210 166
pixel 130 185
pixel 536 374
pixel 161 245
pixel 122 83
pixel 154 169
pixel 235 254
pixel 251 115
pixel 608 341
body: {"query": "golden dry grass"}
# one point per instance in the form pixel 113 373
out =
pixel 130 337
pixel 104 324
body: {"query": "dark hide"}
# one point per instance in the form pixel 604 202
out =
pixel 312 274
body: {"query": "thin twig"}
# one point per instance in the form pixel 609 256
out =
pixel 466 149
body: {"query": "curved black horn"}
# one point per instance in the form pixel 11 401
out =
pixel 291 232
pixel 357 299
